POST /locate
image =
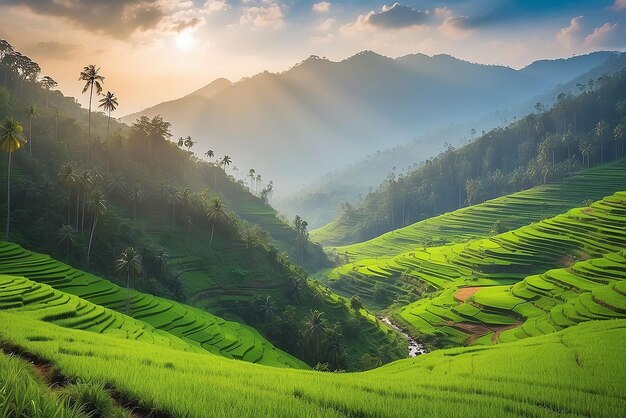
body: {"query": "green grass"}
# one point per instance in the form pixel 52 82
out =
pixel 578 371
pixel 516 210
pixel 80 300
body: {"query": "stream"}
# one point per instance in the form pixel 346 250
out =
pixel 415 347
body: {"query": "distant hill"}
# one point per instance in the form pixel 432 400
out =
pixel 311 119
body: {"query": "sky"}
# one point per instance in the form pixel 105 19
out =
pixel 155 50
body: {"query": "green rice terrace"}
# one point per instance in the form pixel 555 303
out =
pixel 58 293
pixel 514 211
pixel 577 372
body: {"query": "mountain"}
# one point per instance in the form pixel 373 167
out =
pixel 324 112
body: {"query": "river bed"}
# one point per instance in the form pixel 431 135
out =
pixel 415 347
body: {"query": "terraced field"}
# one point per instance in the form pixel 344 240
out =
pixel 97 303
pixel 515 210
pixel 507 258
pixel 577 372
pixel 540 304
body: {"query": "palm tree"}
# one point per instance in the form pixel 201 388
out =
pixel 173 198
pixel 67 177
pixel 296 286
pixel 268 309
pixel 585 150
pixel 161 260
pixel 31 112
pixel 128 264
pixel 136 195
pixel 618 134
pixel 67 234
pixel 215 211
pixel 257 183
pixel 91 78
pixel 97 205
pixel 12 139
pixel 189 143
pixel 181 142
pixel 109 104
pixel 116 185
pixel 601 128
pixel 226 162
pixel 251 175
pixel 314 331
pixel 209 154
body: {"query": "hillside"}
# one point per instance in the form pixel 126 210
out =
pixel 395 99
pixel 544 146
pixel 578 372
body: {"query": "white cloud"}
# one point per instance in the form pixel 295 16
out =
pixel 321 7
pixel 268 16
pixel 619 5
pixel 326 25
pixel 600 35
pixel 216 6
pixel 569 36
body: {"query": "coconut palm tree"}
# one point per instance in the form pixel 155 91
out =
pixel 601 128
pixel 67 176
pixel 215 211
pixel 585 151
pixel 173 198
pixel 129 264
pixel 98 205
pixel 136 195
pixel 226 162
pixel 12 139
pixel 314 331
pixel 160 259
pixel 296 285
pixel 618 134
pixel 92 79
pixel 268 309
pixel 116 185
pixel 209 154
pixel 251 175
pixel 189 143
pixel 257 183
pixel 109 104
pixel 31 112
pixel 67 235
pixel 181 142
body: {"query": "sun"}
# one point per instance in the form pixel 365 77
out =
pixel 185 41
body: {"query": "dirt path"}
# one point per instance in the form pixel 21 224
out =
pixel 475 330
pixel 464 293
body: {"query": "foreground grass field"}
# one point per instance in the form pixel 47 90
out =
pixel 477 221
pixel 58 293
pixel 576 372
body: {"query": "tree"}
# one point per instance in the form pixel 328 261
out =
pixel 67 177
pixel 109 104
pixel 12 139
pixel 160 259
pixel 48 83
pixel 314 331
pixel 257 183
pixel 601 128
pixel 31 112
pixel 618 134
pixel 209 154
pixel 356 304
pixel 67 235
pixel 128 264
pixel 226 162
pixel 215 211
pixel 189 143
pixel 92 79
pixel 136 195
pixel 296 285
pixel 251 175
pixel 268 309
pixel 98 205
pixel 585 151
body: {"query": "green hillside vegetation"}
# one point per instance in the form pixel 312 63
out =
pixel 496 215
pixel 546 146
pixel 91 191
pixel 429 279
pixel 577 372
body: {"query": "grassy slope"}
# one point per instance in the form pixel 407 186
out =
pixel 516 210
pixel 578 371
pixel 503 259
pixel 176 324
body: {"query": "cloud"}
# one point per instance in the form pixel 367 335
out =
pixel 397 16
pixel 181 25
pixel 116 18
pixel 619 5
pixel 55 50
pixel 321 7
pixel 216 6
pixel 326 25
pixel 268 16
pixel 569 36
pixel 604 36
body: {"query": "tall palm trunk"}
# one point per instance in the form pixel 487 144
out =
pixel 69 204
pixel 89 123
pixel 134 213
pixel 8 198
pixel 93 228
pixel 212 230
pixel 108 150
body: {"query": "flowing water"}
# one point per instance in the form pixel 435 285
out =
pixel 415 347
